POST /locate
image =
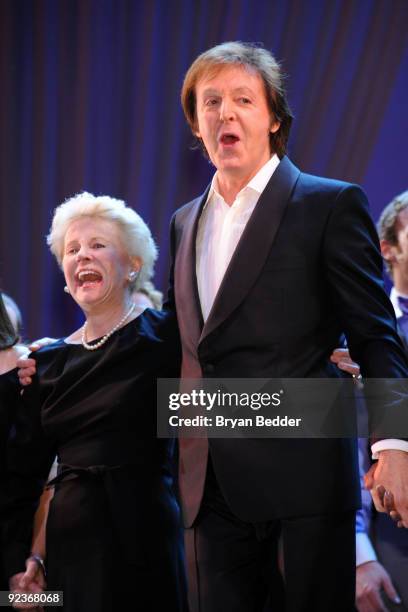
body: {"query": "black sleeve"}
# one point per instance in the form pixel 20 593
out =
pixel 354 273
pixel 29 459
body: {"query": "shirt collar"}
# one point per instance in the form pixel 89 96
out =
pixel 257 183
pixel 394 295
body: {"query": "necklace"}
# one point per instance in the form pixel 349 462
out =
pixel 93 347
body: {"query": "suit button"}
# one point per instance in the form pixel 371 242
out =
pixel 209 368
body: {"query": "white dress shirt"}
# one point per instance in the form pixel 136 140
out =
pixel 394 295
pixel 364 549
pixel 219 230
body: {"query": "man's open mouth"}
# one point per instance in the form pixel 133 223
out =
pixel 229 139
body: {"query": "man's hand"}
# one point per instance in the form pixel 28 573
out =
pixel 27 367
pixel 37 344
pixel 30 581
pixel 341 357
pixel 371 577
pixel 388 483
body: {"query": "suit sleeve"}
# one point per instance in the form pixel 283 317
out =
pixel 29 459
pixel 354 273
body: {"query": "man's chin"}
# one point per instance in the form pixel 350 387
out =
pixel 230 164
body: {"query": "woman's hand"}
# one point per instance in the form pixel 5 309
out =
pixel 31 581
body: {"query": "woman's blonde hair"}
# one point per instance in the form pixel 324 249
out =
pixel 137 238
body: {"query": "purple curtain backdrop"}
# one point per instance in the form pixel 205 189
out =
pixel 89 99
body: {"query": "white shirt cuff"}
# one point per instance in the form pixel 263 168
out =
pixel 364 549
pixel 388 444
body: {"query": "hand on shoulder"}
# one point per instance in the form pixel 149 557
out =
pixel 26 366
pixel 9 357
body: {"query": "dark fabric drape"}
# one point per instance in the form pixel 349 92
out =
pixel 89 99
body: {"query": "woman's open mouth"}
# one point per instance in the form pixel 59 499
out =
pixel 88 278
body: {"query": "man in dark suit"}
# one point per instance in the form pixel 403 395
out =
pixel 384 561
pixel 271 266
pixel 381 548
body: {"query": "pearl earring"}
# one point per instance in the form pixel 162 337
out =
pixel 66 289
pixel 133 275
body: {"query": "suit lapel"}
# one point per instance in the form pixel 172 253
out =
pixel 253 246
pixel 186 290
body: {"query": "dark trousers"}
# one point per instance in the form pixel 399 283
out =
pixel 233 565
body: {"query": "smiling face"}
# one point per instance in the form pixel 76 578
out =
pixel 95 263
pixel 234 121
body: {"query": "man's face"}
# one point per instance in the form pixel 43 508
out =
pixel 234 121
pixel 397 254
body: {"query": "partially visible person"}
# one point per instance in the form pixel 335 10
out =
pixel 147 296
pixel 14 313
pixel 380 578
pixel 10 350
pixel 376 578
pixel 113 528
pixel 393 233
pixel 10 326
pixel 382 548
pixel 390 543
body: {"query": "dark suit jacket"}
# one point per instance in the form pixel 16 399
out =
pixel 307 269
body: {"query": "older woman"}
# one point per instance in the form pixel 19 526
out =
pixel 113 525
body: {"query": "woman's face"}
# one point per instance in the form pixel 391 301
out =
pixel 95 263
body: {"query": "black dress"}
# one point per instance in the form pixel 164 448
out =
pixel 113 531
pixel 9 395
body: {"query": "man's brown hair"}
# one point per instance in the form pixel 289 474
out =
pixel 387 225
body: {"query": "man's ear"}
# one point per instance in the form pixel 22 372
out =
pixel 388 251
pixel 274 126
